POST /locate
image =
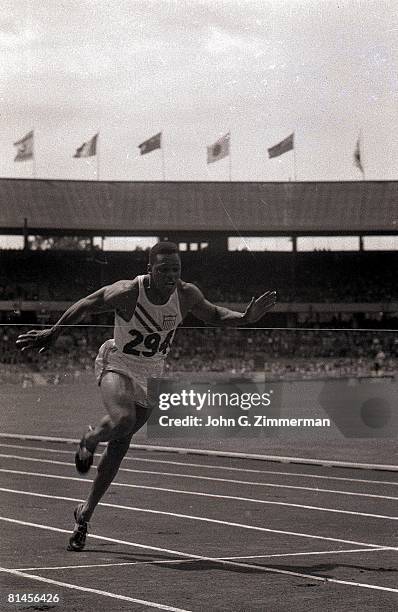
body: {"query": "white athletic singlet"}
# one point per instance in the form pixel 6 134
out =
pixel 139 346
pixel 150 331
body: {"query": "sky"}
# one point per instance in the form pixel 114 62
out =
pixel 194 70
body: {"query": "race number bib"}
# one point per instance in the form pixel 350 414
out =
pixel 148 345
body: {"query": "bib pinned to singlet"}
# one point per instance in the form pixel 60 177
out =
pixel 151 329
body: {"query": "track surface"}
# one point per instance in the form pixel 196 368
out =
pixel 184 532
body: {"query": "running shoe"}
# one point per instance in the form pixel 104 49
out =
pixel 77 540
pixel 84 457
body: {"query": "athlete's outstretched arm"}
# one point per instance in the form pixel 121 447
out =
pixel 218 315
pixel 105 299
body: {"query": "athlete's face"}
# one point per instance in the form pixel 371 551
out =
pixel 165 272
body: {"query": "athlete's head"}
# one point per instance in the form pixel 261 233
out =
pixel 164 266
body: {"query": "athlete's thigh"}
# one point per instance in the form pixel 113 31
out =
pixel 117 393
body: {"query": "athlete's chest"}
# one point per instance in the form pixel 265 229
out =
pixel 150 330
pixel 157 317
pixel 166 315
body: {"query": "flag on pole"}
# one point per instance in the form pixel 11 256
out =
pixel 357 156
pixel 24 148
pixel 219 149
pixel 155 142
pixel 282 147
pixel 88 149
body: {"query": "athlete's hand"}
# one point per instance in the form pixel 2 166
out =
pixel 258 307
pixel 36 339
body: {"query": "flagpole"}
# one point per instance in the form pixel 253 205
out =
pixel 163 161
pixel 294 157
pixel 98 156
pixel 230 159
pixel 358 157
pixel 362 157
pixel 34 155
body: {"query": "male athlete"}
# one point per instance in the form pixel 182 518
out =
pixel 147 311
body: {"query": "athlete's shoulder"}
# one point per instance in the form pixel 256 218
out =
pixel 122 292
pixel 124 287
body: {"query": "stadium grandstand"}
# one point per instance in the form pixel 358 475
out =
pixel 316 290
pixel 193 210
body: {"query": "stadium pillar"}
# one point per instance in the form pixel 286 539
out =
pixel 25 234
pixel 293 265
pixel 218 243
pixel 361 244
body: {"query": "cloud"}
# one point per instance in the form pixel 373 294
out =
pixel 212 63
pixel 14 35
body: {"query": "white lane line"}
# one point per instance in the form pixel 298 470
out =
pixel 260 568
pixel 174 561
pixel 219 453
pixel 67 585
pixel 362 585
pixel 212 495
pixel 88 566
pixel 199 518
pixel 214 467
pixel 213 479
pixel 316 552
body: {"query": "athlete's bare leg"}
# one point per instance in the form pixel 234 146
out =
pixel 117 392
pixel 106 471
pixel 123 420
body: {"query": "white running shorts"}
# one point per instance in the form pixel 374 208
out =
pixel 110 359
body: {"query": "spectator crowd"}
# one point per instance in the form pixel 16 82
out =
pixel 226 277
pixel 280 353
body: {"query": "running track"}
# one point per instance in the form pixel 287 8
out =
pixel 199 533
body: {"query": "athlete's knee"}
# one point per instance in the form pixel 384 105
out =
pixel 119 446
pixel 126 423
pixel 142 417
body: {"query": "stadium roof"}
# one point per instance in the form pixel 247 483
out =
pixel 152 208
